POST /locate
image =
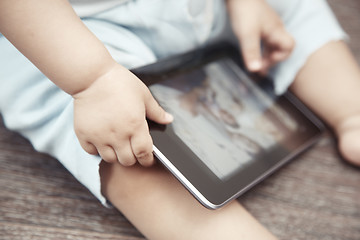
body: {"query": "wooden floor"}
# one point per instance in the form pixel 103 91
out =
pixel 317 196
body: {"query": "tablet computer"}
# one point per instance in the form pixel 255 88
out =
pixel 230 130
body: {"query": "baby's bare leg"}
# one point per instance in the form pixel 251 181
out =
pixel 162 209
pixel 330 84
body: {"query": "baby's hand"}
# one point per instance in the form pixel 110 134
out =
pixel 255 23
pixel 110 118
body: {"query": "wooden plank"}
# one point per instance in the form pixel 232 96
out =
pixel 15 231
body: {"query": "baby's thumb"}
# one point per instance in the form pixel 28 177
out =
pixel 156 113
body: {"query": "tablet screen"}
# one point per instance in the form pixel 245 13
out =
pixel 223 116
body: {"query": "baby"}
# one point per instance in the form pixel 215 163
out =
pixel 94 103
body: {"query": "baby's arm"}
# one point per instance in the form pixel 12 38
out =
pixel 254 23
pixel 110 103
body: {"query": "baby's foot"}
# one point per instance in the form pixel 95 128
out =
pixel 349 139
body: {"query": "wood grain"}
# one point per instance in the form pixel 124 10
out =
pixel 317 196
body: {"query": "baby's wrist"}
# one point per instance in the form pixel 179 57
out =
pixel 102 74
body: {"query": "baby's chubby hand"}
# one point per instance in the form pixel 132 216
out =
pixel 110 118
pixel 263 39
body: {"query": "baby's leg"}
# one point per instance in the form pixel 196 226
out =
pixel 161 208
pixel 329 83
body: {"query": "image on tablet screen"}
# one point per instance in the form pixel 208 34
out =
pixel 222 116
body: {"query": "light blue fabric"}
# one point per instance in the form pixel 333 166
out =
pixel 138 33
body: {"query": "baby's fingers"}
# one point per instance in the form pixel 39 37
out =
pixel 142 146
pixel 247 28
pixel 155 112
pixel 88 147
pixel 124 154
pixel 107 153
pixel 251 50
pixel 278 46
pixel 119 152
